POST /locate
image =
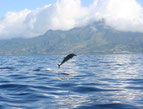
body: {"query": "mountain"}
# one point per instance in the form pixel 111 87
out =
pixel 94 38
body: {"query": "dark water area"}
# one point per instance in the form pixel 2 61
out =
pixel 85 82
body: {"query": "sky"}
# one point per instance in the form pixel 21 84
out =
pixel 30 18
pixel 17 5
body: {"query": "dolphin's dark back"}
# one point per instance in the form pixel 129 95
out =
pixel 66 59
pixel 70 56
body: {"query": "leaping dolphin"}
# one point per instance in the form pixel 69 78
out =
pixel 70 56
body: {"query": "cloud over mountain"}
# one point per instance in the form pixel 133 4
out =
pixel 124 15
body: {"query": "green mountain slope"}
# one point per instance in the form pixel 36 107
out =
pixel 95 38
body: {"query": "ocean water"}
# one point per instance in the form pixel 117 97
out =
pixel 85 82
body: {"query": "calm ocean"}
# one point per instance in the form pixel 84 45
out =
pixel 85 82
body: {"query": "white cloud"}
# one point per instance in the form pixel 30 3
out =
pixel 124 15
pixel 63 15
pixel 13 24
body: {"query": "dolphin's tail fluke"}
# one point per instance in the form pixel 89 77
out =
pixel 59 65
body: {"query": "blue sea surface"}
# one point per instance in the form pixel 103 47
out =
pixel 84 82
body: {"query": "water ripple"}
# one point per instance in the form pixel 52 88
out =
pixel 85 82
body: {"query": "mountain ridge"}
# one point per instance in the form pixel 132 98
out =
pixel 93 38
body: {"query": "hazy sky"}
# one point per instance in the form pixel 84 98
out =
pixel 30 18
pixel 17 5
